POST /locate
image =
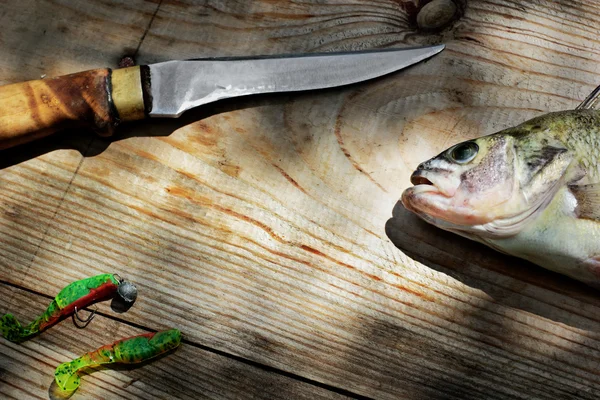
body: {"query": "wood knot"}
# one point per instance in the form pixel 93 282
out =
pixel 432 15
pixel 436 14
pixel 126 61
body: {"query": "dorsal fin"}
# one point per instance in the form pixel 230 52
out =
pixel 590 102
pixel 588 200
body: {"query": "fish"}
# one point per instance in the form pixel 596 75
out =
pixel 530 191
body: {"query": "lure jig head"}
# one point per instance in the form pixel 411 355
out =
pixel 69 301
pixel 132 350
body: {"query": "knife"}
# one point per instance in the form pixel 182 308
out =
pixel 104 98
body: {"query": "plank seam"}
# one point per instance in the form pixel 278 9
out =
pixel 135 53
pixel 255 364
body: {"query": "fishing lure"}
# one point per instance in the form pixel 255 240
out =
pixel 72 298
pixel 132 350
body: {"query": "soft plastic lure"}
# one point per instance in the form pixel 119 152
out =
pixel 132 350
pixel 74 297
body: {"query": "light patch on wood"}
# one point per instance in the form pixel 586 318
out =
pixel 260 233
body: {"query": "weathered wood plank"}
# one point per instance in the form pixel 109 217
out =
pixel 56 37
pixel 261 230
pixel 50 38
pixel 27 370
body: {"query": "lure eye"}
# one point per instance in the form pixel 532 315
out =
pixel 464 152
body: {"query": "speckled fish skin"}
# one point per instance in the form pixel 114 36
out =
pixel 132 350
pixel 77 294
pixel 532 191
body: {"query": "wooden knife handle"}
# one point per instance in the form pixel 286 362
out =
pixel 100 99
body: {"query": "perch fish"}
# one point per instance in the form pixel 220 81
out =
pixel 531 191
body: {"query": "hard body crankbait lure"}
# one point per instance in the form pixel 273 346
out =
pixel 132 350
pixel 74 297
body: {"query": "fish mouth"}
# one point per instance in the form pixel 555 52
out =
pixel 436 198
pixel 428 181
pixel 430 197
pixel 431 204
pixel 420 180
pixel 416 197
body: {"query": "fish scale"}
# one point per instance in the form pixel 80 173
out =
pixel 545 209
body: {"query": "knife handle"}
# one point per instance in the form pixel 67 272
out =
pixel 99 99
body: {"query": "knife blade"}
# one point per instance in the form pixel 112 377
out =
pixel 103 98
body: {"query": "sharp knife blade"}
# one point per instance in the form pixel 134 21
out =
pixel 178 86
pixel 103 98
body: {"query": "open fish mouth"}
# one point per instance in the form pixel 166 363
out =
pixel 420 180
pixel 434 206
pixel 426 181
pixel 431 197
pixel 420 197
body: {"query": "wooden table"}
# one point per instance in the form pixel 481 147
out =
pixel 268 229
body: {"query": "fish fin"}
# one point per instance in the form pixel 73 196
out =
pixel 590 102
pixel 588 200
pixel 546 169
pixel 537 160
pixel 591 269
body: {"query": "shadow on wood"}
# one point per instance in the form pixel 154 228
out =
pixel 508 280
pixel 443 367
pixel 88 144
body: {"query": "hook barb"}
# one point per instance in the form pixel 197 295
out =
pixel 85 322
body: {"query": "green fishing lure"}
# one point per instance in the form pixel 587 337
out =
pixel 72 298
pixel 132 350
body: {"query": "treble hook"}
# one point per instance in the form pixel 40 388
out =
pixel 85 321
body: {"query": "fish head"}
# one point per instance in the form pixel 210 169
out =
pixel 488 187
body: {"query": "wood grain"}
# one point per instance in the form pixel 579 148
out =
pixel 78 37
pixel 28 369
pixel 268 228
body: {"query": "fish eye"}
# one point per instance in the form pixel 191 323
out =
pixel 464 152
